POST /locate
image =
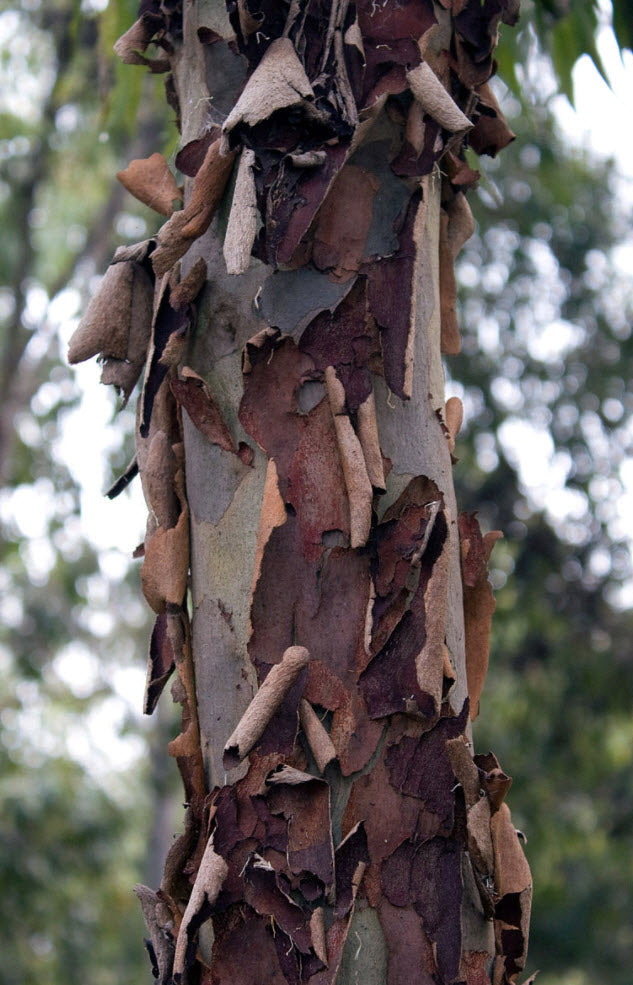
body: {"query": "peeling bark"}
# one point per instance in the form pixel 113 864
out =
pixel 338 824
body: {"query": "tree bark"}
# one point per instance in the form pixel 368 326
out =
pixel 339 829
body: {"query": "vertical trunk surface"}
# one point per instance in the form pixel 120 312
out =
pixel 333 650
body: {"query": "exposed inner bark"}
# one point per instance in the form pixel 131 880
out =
pixel 339 828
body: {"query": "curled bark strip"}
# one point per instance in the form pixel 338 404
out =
pixel 242 225
pixel 435 100
pixel 211 875
pixel 479 602
pixel 321 745
pixel 430 663
pixel 166 563
pixel 394 293
pixel 117 325
pixel 137 252
pixel 176 882
pixel 177 234
pixel 317 929
pixel 152 183
pixel 185 748
pixel 416 129
pixel 105 327
pixel 159 470
pixel 359 490
pixel 464 769
pixel 194 394
pixel 461 224
pixel 278 81
pixel 496 783
pixel 308 159
pixel 406 673
pixel 367 427
pixel 160 664
pixel 351 860
pixel 264 705
pixel 159 923
pixel 337 935
pixel 456 226
pixel 454 416
pixel 513 888
pixel 190 286
pixel 478 821
pixel 170 328
pixel 130 473
pixel 451 341
pixel 491 132
pixel 131 45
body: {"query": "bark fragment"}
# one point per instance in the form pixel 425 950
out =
pixel 453 415
pixel 321 745
pixel 305 803
pixel 150 180
pixel 186 225
pixel 266 702
pixel 359 491
pixel 435 100
pixel 159 923
pixel 160 664
pixel 211 875
pixel 513 887
pixel 131 46
pixel 166 562
pixel 479 603
pixel 343 223
pixel 242 226
pixel 279 81
pixel 116 326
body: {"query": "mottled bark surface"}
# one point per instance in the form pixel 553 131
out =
pixel 295 453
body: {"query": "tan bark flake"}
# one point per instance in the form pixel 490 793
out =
pixel 186 225
pixel 359 490
pixel 264 705
pixel 152 183
pixel 278 81
pixel 435 100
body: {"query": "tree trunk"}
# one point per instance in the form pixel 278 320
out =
pixel 338 827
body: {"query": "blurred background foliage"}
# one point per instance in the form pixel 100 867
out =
pixel 86 794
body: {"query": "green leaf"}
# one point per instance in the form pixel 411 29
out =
pixel 623 23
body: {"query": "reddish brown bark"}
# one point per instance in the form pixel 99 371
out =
pixel 334 801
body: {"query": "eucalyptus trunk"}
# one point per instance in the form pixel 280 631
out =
pixel 295 450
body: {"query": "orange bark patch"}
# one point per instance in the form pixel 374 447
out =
pixel 343 223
